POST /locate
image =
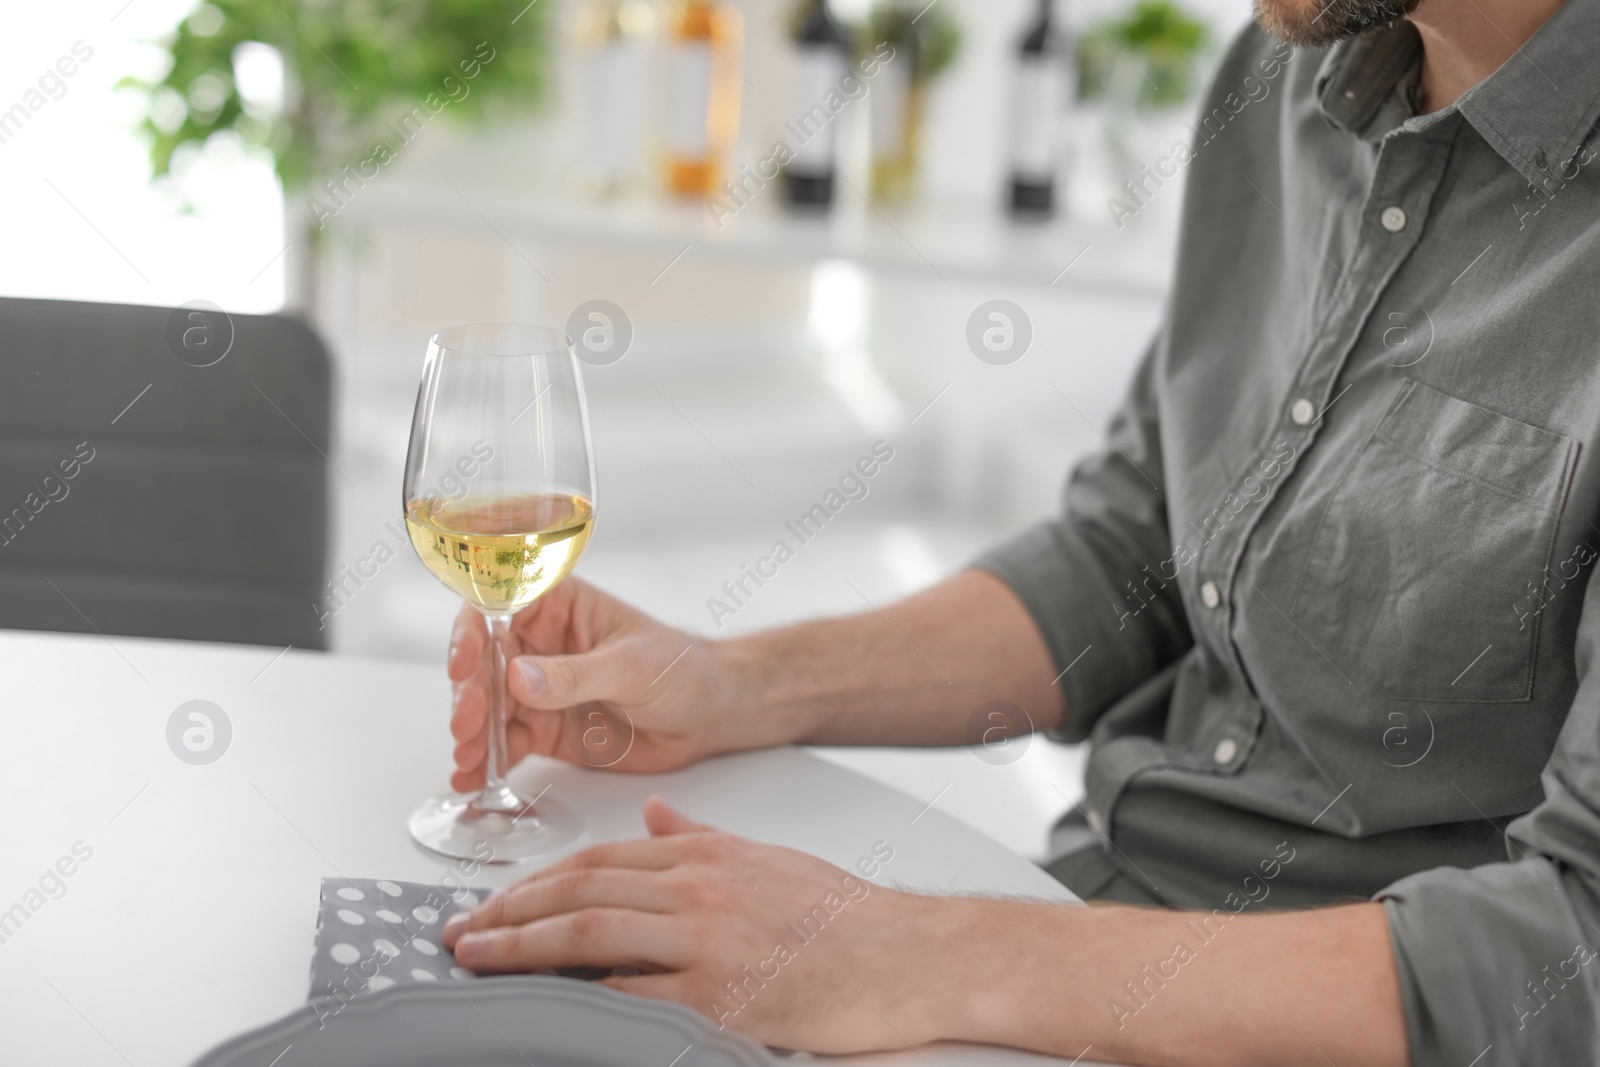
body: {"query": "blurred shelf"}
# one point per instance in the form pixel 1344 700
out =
pixel 934 242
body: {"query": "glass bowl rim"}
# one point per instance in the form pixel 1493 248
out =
pixel 501 339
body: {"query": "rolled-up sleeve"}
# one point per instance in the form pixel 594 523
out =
pixel 1075 573
pixel 1500 964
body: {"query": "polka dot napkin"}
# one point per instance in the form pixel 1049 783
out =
pixel 372 935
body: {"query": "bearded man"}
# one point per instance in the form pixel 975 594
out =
pixel 1320 608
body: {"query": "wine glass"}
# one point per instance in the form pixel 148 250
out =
pixel 499 503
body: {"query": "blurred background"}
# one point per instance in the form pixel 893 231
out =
pixel 792 235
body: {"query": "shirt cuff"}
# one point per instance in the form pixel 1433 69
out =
pixel 1102 650
pixel 1499 956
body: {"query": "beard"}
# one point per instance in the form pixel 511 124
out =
pixel 1319 23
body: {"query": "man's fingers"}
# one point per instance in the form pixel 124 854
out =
pixel 572 890
pixel 662 818
pixel 543 731
pixel 594 937
pixel 467 640
pixel 471 754
pixel 639 854
pixel 548 625
pixel 609 673
pixel 470 711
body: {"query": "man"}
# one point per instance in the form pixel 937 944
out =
pixel 1320 608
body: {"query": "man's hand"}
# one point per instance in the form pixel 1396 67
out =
pixel 766 940
pixel 595 682
pixel 599 683
pixel 800 954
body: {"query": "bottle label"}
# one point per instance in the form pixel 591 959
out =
pixel 612 106
pixel 809 130
pixel 688 99
pixel 1036 117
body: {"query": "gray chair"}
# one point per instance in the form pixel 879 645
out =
pixel 143 494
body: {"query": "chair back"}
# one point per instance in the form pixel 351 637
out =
pixel 163 473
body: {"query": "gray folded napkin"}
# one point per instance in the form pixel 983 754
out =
pixel 373 934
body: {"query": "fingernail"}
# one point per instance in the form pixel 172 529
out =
pixel 456 923
pixel 532 676
pixel 450 657
pixel 469 944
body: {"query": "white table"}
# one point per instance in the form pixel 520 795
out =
pixel 130 965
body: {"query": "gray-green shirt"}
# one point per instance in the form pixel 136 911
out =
pixel 1325 597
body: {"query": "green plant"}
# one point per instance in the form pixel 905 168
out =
pixel 350 66
pixel 927 34
pixel 1160 38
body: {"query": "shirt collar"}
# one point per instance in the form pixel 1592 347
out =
pixel 1536 111
pixel 1359 74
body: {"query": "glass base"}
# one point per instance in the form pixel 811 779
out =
pixel 454 826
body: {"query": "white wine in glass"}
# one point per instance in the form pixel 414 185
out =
pixel 499 503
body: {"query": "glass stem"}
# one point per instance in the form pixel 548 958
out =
pixel 497 795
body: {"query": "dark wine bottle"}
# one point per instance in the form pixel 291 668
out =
pixel 1043 64
pixel 820 53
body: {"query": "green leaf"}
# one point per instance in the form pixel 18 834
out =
pixel 351 65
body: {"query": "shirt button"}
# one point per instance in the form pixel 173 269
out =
pixel 1209 595
pixel 1226 749
pixel 1393 219
pixel 1096 821
pixel 1302 412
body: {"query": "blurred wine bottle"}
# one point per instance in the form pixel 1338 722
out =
pixel 820 54
pixel 923 40
pixel 612 38
pixel 701 97
pixel 1044 63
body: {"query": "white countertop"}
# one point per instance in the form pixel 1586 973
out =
pixel 192 919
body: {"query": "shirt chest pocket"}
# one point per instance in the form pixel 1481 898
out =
pixel 1426 548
